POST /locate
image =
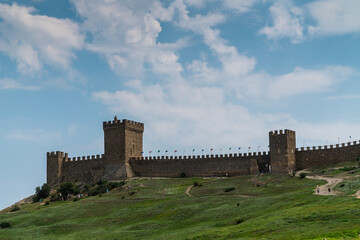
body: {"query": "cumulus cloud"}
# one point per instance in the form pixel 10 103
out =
pixel 234 64
pixel 34 40
pixel 287 22
pixel 126 33
pixel 13 84
pixel 335 17
pixel 308 81
pixel 167 109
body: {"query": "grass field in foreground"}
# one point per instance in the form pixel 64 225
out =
pixel 271 206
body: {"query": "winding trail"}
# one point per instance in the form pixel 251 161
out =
pixel 324 189
pixel 188 190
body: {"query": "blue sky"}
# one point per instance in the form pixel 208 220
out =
pixel 200 74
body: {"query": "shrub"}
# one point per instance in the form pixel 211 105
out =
pixel 239 220
pixel 41 192
pixel 76 199
pixel 5 225
pixel 342 185
pixel 55 197
pixel 101 182
pixel 229 189
pixel 113 185
pixel 15 208
pixel 302 175
pixel 65 189
pixel 196 184
pixel 86 188
pixel 94 192
pixel 182 175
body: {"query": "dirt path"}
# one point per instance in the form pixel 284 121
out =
pixel 357 194
pixel 188 190
pixel 324 189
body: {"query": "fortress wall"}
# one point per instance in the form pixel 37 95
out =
pixel 199 166
pixel 326 155
pixel 87 169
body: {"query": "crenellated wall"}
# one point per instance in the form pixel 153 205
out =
pixel 123 150
pixel 87 169
pixel 326 155
pixel 201 166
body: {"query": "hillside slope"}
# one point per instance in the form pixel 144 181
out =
pixel 269 206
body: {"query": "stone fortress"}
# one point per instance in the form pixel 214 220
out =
pixel 123 159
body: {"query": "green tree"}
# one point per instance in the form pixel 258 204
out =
pixel 41 192
pixel 65 189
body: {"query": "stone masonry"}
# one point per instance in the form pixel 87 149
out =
pixel 122 158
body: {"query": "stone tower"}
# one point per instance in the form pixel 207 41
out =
pixel 123 140
pixel 54 161
pixel 282 151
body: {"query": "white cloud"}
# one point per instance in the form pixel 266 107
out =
pixel 37 135
pixel 34 40
pixel 234 64
pixel 308 81
pixel 126 33
pixel 181 116
pixel 12 84
pixel 335 17
pixel 287 22
pixel 166 109
pixel 240 5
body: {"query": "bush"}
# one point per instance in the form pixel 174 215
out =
pixel 15 208
pixel 302 175
pixel 182 175
pixel 47 203
pixel 55 197
pixel 342 185
pixel 113 185
pixel 239 220
pixel 229 189
pixel 196 184
pixel 76 199
pixel 41 192
pixel 5 225
pixel 65 189
pixel 345 169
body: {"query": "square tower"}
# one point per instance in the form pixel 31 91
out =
pixel 122 140
pixel 282 151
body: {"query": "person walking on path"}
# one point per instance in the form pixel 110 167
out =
pixel 317 189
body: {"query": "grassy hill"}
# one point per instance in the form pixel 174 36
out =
pixel 269 206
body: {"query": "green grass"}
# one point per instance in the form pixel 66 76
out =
pixel 271 206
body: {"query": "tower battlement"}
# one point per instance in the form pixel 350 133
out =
pixel 124 122
pixel 282 132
